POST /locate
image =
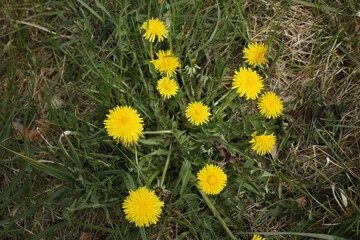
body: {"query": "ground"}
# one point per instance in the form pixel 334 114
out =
pixel 65 64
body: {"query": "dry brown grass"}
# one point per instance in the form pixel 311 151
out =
pixel 319 83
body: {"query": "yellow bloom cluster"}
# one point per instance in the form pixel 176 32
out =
pixel 124 124
pixel 249 84
pixel 166 63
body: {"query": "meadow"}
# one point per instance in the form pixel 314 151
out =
pixel 92 146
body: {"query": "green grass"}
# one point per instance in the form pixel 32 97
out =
pixel 66 63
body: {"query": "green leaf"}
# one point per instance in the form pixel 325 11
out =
pixel 185 175
pixel 91 10
pixel 56 171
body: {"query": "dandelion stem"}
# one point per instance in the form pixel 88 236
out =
pixel 151 51
pixel 137 165
pixel 185 85
pixel 158 132
pixel 216 214
pixel 143 233
pixel 165 168
pixel 226 100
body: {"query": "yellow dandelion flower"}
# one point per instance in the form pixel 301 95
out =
pixel 211 179
pixel 155 28
pixel 257 237
pixel 166 63
pixel 162 53
pixel 262 144
pixel 142 207
pixel 167 87
pixel 255 53
pixel 270 105
pixel 248 83
pixel 124 124
pixel 197 113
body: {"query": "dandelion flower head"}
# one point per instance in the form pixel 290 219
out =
pixel 248 83
pixel 142 207
pixel 164 53
pixel 211 179
pixel 263 144
pixel 197 113
pixel 124 124
pixel 270 105
pixel 257 237
pixel 255 53
pixel 166 63
pixel 155 28
pixel 167 87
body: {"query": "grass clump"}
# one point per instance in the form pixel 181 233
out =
pixel 286 141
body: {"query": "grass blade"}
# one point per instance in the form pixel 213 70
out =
pixel 312 235
pixel 55 171
pixel 91 10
